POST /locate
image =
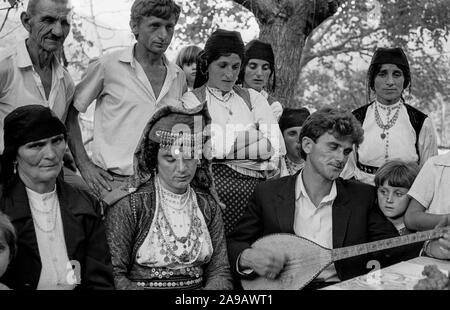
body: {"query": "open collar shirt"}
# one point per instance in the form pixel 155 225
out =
pixel 315 223
pixel 125 103
pixel 21 85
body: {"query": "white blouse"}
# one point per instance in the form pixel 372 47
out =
pixel 46 213
pixel 398 143
pixel 230 115
pixel 276 107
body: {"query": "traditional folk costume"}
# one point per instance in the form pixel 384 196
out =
pixel 257 49
pixel 238 110
pixel 397 131
pixel 162 240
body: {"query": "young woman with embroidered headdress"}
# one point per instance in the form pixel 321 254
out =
pixel 392 128
pixel 168 232
pixel 258 72
pixel 246 139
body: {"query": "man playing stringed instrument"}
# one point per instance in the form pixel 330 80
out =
pixel 318 205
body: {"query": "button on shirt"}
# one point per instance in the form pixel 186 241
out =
pixel 45 210
pixel 125 103
pixel 315 223
pixel 21 85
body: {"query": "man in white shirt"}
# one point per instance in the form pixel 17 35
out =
pixel 30 72
pixel 317 205
pixel 129 85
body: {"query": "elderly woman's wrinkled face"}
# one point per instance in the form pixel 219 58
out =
pixel 175 170
pixel 40 162
pixel 223 72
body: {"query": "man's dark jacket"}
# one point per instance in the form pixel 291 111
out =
pixel 356 219
pixel 84 235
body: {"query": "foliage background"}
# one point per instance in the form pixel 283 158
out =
pixel 334 55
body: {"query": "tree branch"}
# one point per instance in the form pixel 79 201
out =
pixel 338 49
pixel 6 17
pixel 264 10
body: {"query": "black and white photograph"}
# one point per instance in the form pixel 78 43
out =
pixel 240 147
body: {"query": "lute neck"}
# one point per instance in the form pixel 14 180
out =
pixel 360 249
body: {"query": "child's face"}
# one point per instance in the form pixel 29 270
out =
pixel 190 70
pixel 4 254
pixel 393 201
pixel 291 139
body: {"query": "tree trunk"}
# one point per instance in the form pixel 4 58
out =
pixel 287 43
pixel 286 24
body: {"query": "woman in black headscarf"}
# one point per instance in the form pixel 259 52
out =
pixel 61 238
pixel 258 72
pixel 246 140
pixel 392 128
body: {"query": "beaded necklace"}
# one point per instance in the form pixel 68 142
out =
pixel 223 100
pixel 189 245
pixel 390 123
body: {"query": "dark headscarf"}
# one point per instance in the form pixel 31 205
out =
pixel 257 49
pixel 23 125
pixel 394 56
pixel 293 118
pixel 221 42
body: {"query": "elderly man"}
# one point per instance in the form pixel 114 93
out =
pixel 318 205
pixel 129 85
pixel 30 72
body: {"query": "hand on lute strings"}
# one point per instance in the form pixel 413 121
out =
pixel 264 262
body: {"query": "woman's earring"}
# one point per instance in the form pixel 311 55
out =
pixel 15 167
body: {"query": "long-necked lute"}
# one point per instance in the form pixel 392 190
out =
pixel 305 259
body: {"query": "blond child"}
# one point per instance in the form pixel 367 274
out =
pixel 186 60
pixel 393 181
